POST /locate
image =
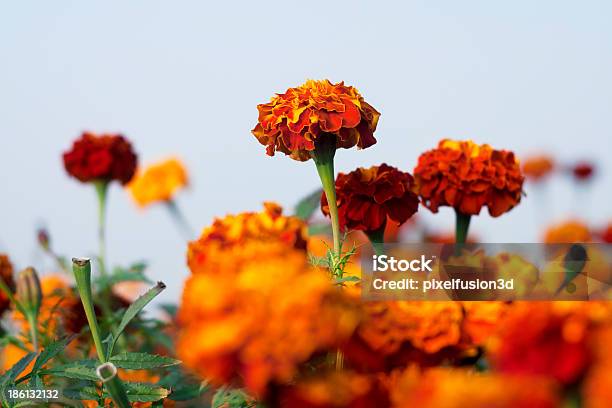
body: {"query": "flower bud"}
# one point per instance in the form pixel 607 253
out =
pixel 29 293
pixel 43 239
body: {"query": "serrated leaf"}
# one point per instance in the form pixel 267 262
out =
pixel 232 398
pixel 51 351
pixel 17 368
pixel 78 370
pixel 87 392
pixel 348 279
pixel 142 392
pixel 133 310
pixel 306 207
pixel 142 361
pixel 35 382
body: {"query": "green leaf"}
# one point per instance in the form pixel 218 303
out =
pixel 348 279
pixel 15 370
pixel 86 392
pixel 307 206
pixel 188 391
pixel 133 310
pixel 232 398
pixel 51 351
pixel 142 392
pixel 142 361
pixel 78 370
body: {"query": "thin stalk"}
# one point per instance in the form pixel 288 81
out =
pixel 323 156
pixel 462 225
pixel 33 323
pixel 102 194
pixel 81 268
pixel 377 239
pixel 179 219
pixel 107 372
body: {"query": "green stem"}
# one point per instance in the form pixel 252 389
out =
pixel 108 374
pixel 102 193
pixel 179 219
pixel 462 225
pixel 82 274
pixel 377 239
pixel 33 323
pixel 323 156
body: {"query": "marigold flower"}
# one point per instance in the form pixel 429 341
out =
pixel 456 388
pixel 293 121
pixel 270 225
pixel 547 338
pixel 567 232
pixel 6 274
pixel 368 197
pixel 606 234
pixel 259 314
pixel 158 182
pixel 538 167
pixel 597 386
pixel 583 171
pixel 467 176
pixel 336 389
pixel 105 157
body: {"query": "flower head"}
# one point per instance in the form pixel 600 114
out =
pixel 567 232
pixel 294 121
pixel 6 274
pixel 367 198
pixel 229 232
pixel 105 157
pixel 467 176
pixel 455 388
pixel 158 182
pixel 583 171
pixel 258 313
pixel 538 167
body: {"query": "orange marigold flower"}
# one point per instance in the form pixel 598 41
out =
pixel 457 388
pixel 467 176
pixel 336 389
pixel 567 232
pixel 255 317
pixel 158 182
pixel 368 197
pixel 547 338
pixel 270 225
pixel 105 157
pixel 481 320
pixel 538 167
pixel 6 274
pixel 597 386
pixel 293 121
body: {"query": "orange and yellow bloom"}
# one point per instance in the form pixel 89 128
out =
pixel 158 182
pixel 538 167
pixel 293 122
pixel 467 177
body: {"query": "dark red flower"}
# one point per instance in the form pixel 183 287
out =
pixel 6 274
pixel 105 157
pixel 583 171
pixel 368 197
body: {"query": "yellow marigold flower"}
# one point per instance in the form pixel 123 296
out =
pixel 158 182
pixel 259 312
pixel 457 388
pixel 270 225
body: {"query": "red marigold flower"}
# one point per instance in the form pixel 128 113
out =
pixel 467 176
pixel 547 338
pixel 368 197
pixel 583 171
pixel 293 121
pixel 538 167
pixel 6 274
pixel 606 234
pixel 105 157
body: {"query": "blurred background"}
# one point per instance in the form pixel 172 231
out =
pixel 185 78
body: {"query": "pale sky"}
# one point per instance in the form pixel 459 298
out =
pixel 184 78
